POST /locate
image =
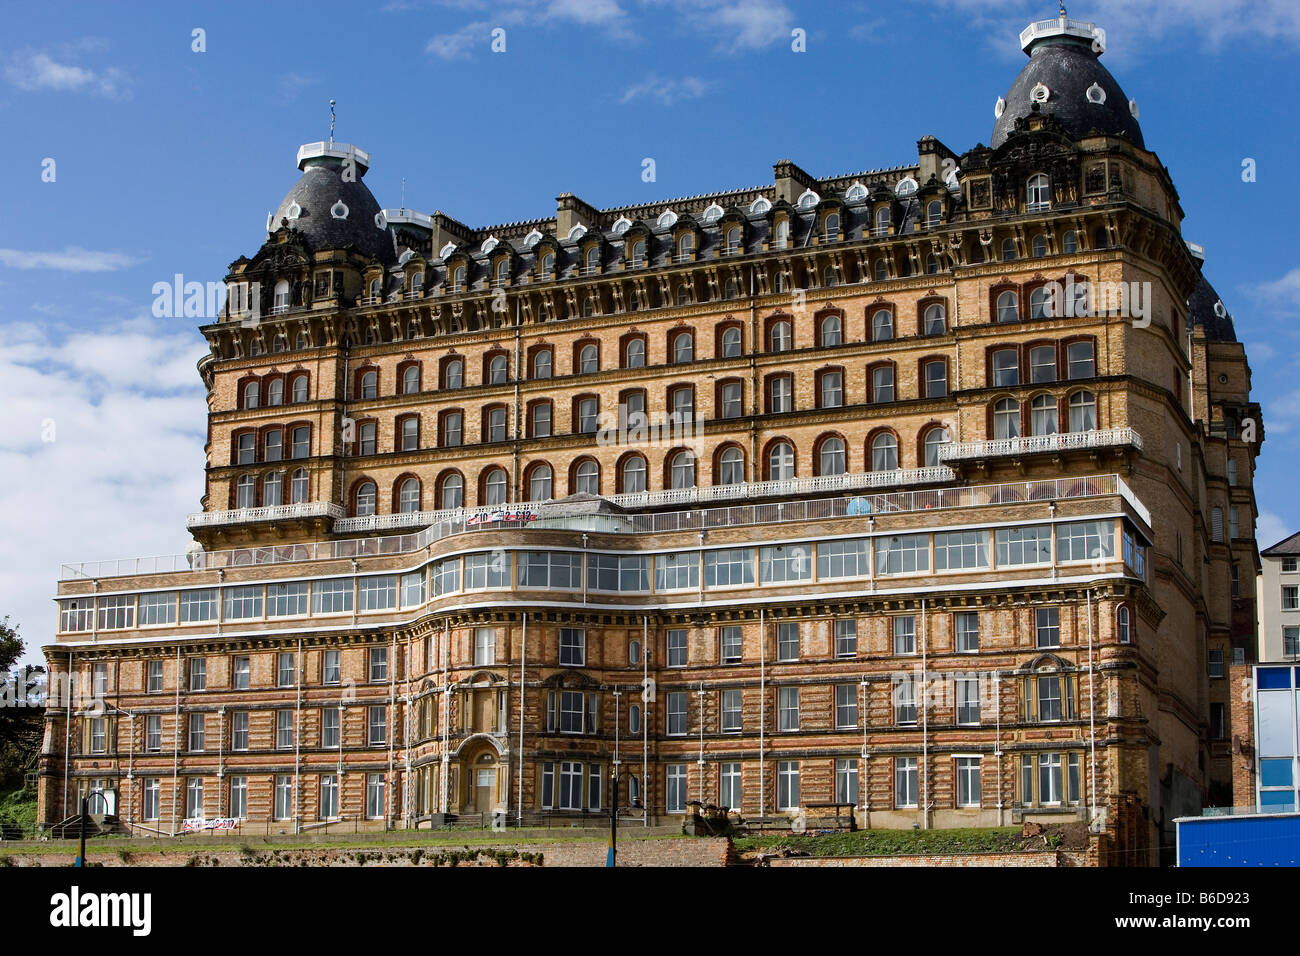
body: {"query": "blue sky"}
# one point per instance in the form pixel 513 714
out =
pixel 168 160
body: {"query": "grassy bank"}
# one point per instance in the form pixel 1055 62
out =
pixel 894 842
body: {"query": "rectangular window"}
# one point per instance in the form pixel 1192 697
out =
pixel 968 781
pixel 378 593
pixel 731 400
pixel 904 689
pixel 285 672
pixel 573 647
pixel 197 669
pixel 331 669
pixel 238 797
pixel 116 611
pixel 1047 627
pixel 284 729
pixel 548 786
pixel 787 707
pixel 375 809
pixel 413 587
pixel 446 577
pixel 301 446
pixel 674 572
pixel 239 730
pixel 329 796
pixel 196 736
pixel 329 727
pixel 1080 360
pixel 846 781
pixel 954 550
pixel 240 671
pixel 151 794
pixel 99 680
pixel 787 785
pixel 731 639
pixel 729 792
pixel 612 572
pixel 936 379
pixel 155 677
pixel 1290 564
pixel 905 634
pixel 572 711
pixel 593 786
pixel 378 664
pixel 286 600
pixel 846 638
pixel 902 554
pixel 153 733
pixel 1049 699
pixel 731 712
pixel 787 641
pixel 76 615
pixel 677 714
pixel 968 700
pixel 676 640
pixel 846 705
pixel 1049 779
pixel 675 788
pixel 331 596
pixel 882 384
pixel 1290 597
pixel 194 798
pixel 1215 663
pixel 158 608
pixel 783 563
pixel 487 571
pixel 242 603
pixel 966 628
pixel 1085 540
pixel 453 429
pixel 550 569
pixel 198 606
pixel 1018 546
pixel 485 646
pixel 1291 641
pixel 729 568
pixel 842 559
pixel 99 734
pixel 377 725
pixel 588 415
pixel 905 789
pixel 283 797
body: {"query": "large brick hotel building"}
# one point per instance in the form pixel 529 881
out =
pixel 851 490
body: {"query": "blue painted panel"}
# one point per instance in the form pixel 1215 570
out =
pixel 1240 841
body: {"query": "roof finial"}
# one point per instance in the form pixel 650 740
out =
pixel 403 194
pixel 1062 9
pixel 331 122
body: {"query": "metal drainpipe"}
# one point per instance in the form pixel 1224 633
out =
pixel 406 737
pixel 392 716
pixel 67 734
pixel 925 728
pixel 176 737
pixel 221 755
pixel 762 708
pixel 700 761
pixel 446 713
pixel 297 737
pixel 1092 724
pixel 519 757
pixel 645 723
pixel 130 776
pixel 997 734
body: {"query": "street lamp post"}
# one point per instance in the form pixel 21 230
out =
pixel 613 817
pixel 81 824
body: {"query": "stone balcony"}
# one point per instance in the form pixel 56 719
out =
pixel 1096 439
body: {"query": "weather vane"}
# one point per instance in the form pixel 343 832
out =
pixel 331 122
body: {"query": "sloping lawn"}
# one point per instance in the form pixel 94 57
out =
pixel 891 842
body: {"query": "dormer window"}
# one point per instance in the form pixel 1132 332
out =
pixel 376 289
pixel 593 261
pixel 782 233
pixel 685 246
pixel 458 279
pixel 282 293
pixel 1038 193
pixel 548 265
pixel 882 222
pixel 831 227
pixel 934 213
pixel 733 240
pixel 417 284
pixel 503 273
pixel 636 258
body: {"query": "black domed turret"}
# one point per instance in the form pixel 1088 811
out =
pixel 1064 78
pixel 330 206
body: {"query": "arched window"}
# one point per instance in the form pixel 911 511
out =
pixel 684 294
pixel 1006 418
pixel 589 360
pixel 780 336
pixel 782 233
pixel 1038 247
pixel 246 492
pixel 1100 240
pixel 452 492
pixel 683 347
pixel 731 343
pixel 413 329
pixel 1040 303
pixel 832 228
pixel 1008 250
pixel 458 279
pixel 931 264
pixel 586 478
pixel 636 353
pixel 730 290
pixel 935 439
pixel 884 452
pixel 494 487
pixel 370 384
pixel 593 260
pixel 934 212
pixel 1038 193
pixel 638 254
pixel 250 395
pixel 828 276
pixel 408 496
pixel 936 319
pixel 275 392
pixel 682 470
pixel 281 302
pixel 1123 627
pixel 1042 415
pixel 272 488
pixel 880 270
pixel 832 331
pixel 299 388
pixel 1008 307
pixel 685 245
pixel 503 272
pixel 1069 241
pixel 633 475
pixel 376 288
pixel 780 462
pixel 410 380
pixel 882 222
pixel 830 457
pixel 300 340
pixel 780 282
pixel 365 504
pixel 731 466
pixel 542 363
pixel 417 284
pixel 589 306
pixel 733 240
pixel 453 374
pixel 539 483
pixel 298 486
pixel 1083 412
pixel 882 325
pixel 548 265
pixel 497 370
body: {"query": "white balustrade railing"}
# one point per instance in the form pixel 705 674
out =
pixel 1030 444
pixel 303 509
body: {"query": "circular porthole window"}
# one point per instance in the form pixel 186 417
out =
pixel 1039 93
pixel 381 221
pixel 1096 94
pixel 1223 380
pixel 999 108
pixel 294 210
pixel 1133 108
pixel 1219 310
pixel 339 210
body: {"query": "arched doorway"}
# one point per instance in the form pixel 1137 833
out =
pixel 482 771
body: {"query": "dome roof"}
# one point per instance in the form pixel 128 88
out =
pixel 330 211
pixel 1064 78
pixel 1206 309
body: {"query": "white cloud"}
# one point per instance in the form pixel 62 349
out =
pixel 1261 351
pixel 746 24
pixel 71 259
pixel 1270 528
pixel 126 411
pixel 34 70
pixel 456 46
pixel 1284 289
pixel 289 85
pixel 586 11
pixel 667 91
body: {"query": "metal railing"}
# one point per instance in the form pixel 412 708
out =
pixel 1029 444
pixel 305 509
pixel 443 524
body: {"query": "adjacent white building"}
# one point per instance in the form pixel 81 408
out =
pixel 1279 601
